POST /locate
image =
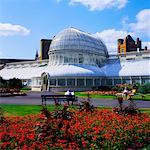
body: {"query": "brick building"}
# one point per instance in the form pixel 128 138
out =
pixel 45 44
pixel 129 45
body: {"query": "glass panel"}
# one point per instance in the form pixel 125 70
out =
pixel 135 81
pixel 29 82
pixel 103 82
pixel 97 82
pixel 89 82
pixel 52 81
pixel 127 81
pixel 109 82
pixel 80 82
pixel 81 59
pixel 39 81
pixel 61 59
pixel 117 81
pixel 70 60
pixel 65 59
pixel 145 80
pixel 71 82
pixel 61 82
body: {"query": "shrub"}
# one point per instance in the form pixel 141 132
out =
pixel 104 88
pixel 120 87
pixel 3 83
pixel 11 83
pixel 15 83
pixel 144 89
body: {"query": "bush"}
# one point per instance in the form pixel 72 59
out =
pixel 104 88
pixel 3 83
pixel 11 83
pixel 117 88
pixel 144 89
pixel 121 87
pixel 15 83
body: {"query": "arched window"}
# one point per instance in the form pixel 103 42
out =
pixel 81 59
pixel 65 59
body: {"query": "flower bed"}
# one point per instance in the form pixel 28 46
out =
pixel 11 92
pixel 101 129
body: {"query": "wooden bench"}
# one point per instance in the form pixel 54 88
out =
pixel 59 98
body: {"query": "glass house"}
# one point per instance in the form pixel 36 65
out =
pixel 79 61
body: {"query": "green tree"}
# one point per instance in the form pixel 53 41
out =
pixel 15 83
pixel 144 89
pixel 3 83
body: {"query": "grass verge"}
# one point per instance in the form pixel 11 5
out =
pixel 138 96
pixel 22 110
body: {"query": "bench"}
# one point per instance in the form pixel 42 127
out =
pixel 59 98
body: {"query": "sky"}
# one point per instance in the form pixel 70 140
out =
pixel 23 23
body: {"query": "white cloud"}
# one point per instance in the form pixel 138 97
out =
pixel 125 22
pixel 141 28
pixel 142 24
pixel 7 29
pixel 146 44
pixel 100 4
pixel 110 37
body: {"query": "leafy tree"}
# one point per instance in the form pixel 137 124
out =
pixel 3 83
pixel 144 89
pixel 14 83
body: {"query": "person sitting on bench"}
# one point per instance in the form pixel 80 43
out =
pixel 69 92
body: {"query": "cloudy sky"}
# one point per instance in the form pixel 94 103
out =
pixel 24 22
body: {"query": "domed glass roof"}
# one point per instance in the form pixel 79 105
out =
pixel 74 39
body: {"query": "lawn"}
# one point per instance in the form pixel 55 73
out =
pixel 137 96
pixel 141 97
pixel 22 110
pixel 25 89
pixel 84 95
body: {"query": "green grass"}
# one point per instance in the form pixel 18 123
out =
pixel 138 96
pixel 145 110
pixel 25 89
pixel 84 95
pixel 22 110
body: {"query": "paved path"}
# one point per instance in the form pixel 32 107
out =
pixel 34 98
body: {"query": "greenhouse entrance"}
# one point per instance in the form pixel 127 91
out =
pixel 44 79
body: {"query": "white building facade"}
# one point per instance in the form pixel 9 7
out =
pixel 79 61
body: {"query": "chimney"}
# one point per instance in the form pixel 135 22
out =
pixel 36 55
pixel 138 44
pixel 145 48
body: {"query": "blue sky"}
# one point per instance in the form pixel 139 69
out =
pixel 24 22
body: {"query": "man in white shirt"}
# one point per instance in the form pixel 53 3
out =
pixel 69 92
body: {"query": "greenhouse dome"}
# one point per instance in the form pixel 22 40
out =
pixel 77 47
pixel 75 39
